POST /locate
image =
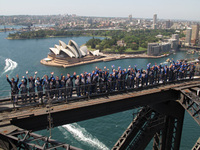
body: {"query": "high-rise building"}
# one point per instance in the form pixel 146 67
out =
pixel 195 34
pixel 154 18
pixel 130 18
pixel 154 26
pixel 168 24
pixel 188 36
pixel 154 21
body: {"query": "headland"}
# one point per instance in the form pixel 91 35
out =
pixel 70 55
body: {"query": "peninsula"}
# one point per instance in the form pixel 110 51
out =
pixel 70 55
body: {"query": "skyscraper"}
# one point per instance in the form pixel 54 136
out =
pixel 154 21
pixel 188 36
pixel 167 24
pixel 130 18
pixel 154 18
pixel 195 34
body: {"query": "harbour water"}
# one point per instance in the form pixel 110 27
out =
pixel 18 56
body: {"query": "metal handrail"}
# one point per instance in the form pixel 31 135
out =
pixel 68 94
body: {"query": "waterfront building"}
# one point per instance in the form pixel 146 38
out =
pixel 67 54
pixel 195 34
pixel 173 43
pixel 175 36
pixel 153 49
pixel 165 47
pixel 71 50
pixel 188 36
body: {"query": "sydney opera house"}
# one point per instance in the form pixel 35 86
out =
pixel 64 54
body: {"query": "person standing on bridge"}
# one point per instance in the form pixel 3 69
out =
pixel 14 88
pixel 93 74
pixel 162 74
pixel 31 81
pixel 83 83
pixel 124 74
pixel 23 89
pixel 52 86
pixel 114 74
pixel 143 77
pixel 46 84
pixel 185 65
pixel 39 86
pixel 63 87
pixel 69 84
pixel 77 85
pixel 119 79
pixel 138 76
pixel 166 75
pixel 95 78
pixel 88 84
pixel 58 88
pixel 155 67
pixel 191 71
pixel 110 83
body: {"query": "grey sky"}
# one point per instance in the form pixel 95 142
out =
pixel 166 9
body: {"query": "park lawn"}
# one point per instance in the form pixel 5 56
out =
pixel 129 50
pixel 139 50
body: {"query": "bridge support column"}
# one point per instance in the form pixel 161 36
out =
pixel 170 136
pixel 163 122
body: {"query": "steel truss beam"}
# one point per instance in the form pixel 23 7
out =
pixel 28 140
pixel 149 123
pixel 191 102
pixel 169 137
pixel 197 145
pixel 144 125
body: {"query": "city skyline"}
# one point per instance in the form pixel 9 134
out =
pixel 179 9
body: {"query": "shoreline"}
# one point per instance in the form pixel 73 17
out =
pixel 105 59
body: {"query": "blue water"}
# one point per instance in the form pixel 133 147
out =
pixel 98 133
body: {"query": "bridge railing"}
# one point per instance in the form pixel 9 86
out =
pixel 77 92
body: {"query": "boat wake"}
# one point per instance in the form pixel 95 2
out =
pixel 10 65
pixel 82 135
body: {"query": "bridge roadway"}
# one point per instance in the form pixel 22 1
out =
pixel 35 118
